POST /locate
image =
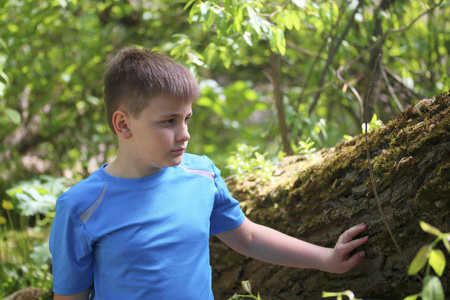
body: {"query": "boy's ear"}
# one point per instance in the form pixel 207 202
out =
pixel 120 121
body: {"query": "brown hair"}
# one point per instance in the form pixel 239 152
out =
pixel 134 76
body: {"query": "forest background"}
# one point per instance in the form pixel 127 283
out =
pixel 275 77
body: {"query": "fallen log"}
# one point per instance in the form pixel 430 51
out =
pixel 317 198
pixel 28 293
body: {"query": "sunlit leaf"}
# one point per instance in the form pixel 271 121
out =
pixel 348 137
pixel 288 21
pixel 446 241
pixel 437 261
pixel 255 20
pixel 432 289
pixel 296 21
pixel 247 286
pixel 238 18
pixel 281 41
pixel 248 38
pixel 41 254
pixel 13 115
pixel 300 3
pixel 420 260
pixel 412 297
pixel 430 229
pixel 4 77
pixel 188 4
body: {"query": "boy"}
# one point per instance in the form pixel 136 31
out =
pixel 139 227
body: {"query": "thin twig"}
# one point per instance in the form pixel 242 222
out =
pixel 400 81
pixel 391 90
pixel 374 188
pixel 357 95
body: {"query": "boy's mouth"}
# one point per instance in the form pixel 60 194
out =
pixel 179 151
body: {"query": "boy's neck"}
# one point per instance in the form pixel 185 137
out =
pixel 126 170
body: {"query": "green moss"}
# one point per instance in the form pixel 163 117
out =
pixel 433 196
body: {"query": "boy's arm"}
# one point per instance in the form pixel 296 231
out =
pixel 84 295
pixel 271 246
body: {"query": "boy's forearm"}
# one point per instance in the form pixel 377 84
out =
pixel 84 295
pixel 271 246
pixel 275 247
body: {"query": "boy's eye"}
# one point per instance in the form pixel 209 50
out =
pixel 188 119
pixel 169 122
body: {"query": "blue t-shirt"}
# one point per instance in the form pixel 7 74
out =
pixel 145 238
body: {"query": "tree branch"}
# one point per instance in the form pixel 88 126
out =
pixel 381 39
pixel 317 56
pixel 332 53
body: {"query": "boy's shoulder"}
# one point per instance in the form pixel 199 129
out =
pixel 199 165
pixel 197 162
pixel 81 195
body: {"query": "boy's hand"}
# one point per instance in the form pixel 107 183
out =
pixel 339 260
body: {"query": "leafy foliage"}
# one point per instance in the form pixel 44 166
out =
pixel 248 288
pixel 373 125
pixel 305 148
pixel 339 295
pixel 24 253
pixel 434 258
pixel 37 196
pixel 246 160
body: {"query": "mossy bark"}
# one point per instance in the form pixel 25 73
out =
pixel 318 198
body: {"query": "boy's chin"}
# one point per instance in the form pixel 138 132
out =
pixel 176 161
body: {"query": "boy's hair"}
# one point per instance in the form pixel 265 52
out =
pixel 135 76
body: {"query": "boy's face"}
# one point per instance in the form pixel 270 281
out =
pixel 159 134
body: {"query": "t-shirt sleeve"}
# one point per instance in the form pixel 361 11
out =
pixel 71 253
pixel 227 214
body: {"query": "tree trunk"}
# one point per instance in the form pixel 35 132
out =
pixel 317 198
pixel 278 96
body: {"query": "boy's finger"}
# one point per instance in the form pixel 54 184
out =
pixel 354 260
pixel 353 244
pixel 352 232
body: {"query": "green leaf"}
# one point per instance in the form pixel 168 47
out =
pixel 248 38
pixel 420 260
pixel 437 261
pixel 412 297
pixel 41 254
pixel 273 41
pixel 188 5
pixel 12 27
pixel 238 18
pixel 247 286
pixel 4 77
pixel 432 289
pixel 296 21
pixel 348 137
pixel 204 9
pixel 13 115
pixel 281 41
pixel 374 118
pixel 446 242
pixel 430 229
pixel 255 20
pixel 300 3
pixel 288 21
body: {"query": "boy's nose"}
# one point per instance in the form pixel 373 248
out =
pixel 183 134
